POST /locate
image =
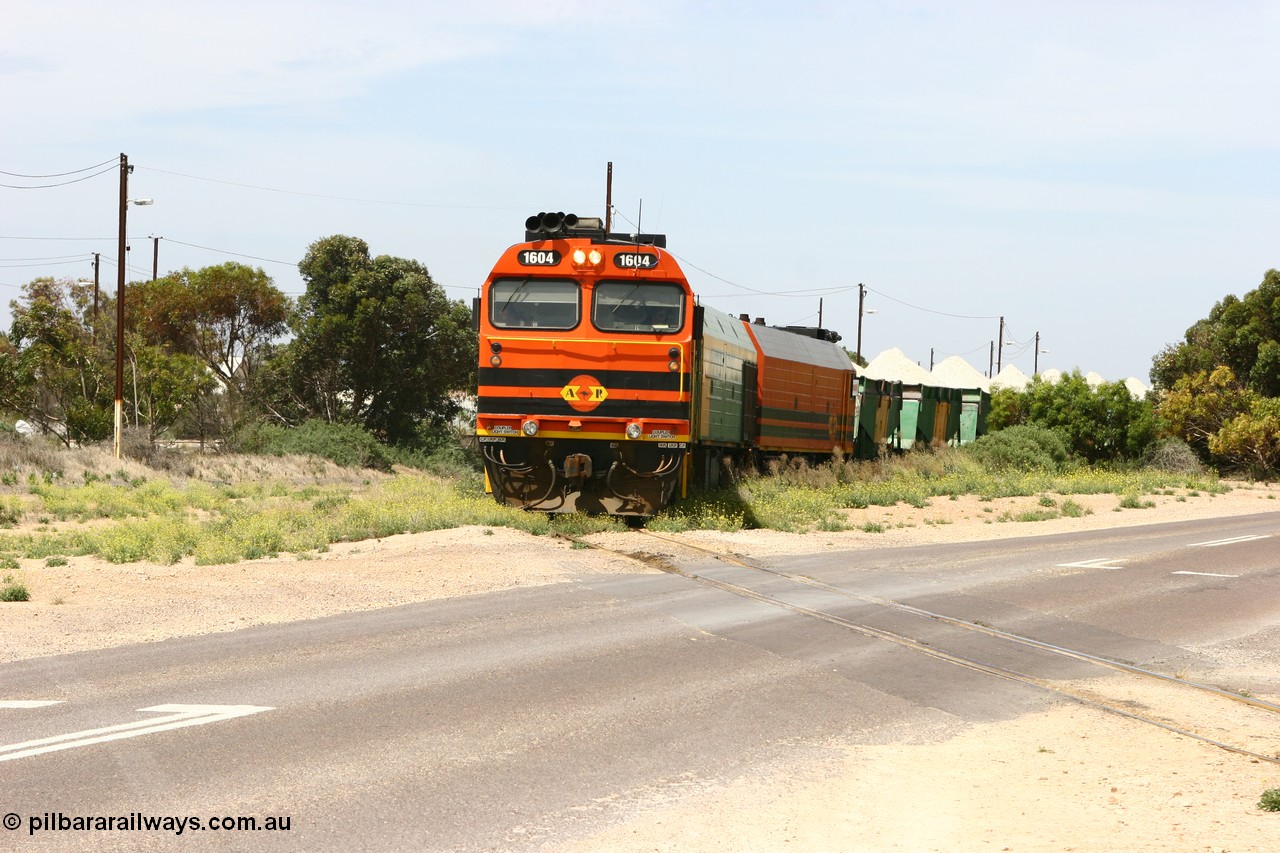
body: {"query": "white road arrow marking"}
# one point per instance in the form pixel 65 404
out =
pixel 1092 564
pixel 1232 541
pixel 14 704
pixel 180 716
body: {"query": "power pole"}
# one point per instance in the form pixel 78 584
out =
pixel 155 257
pixel 96 260
pixel 819 312
pixel 862 295
pixel 1000 348
pixel 122 251
pixel 1036 370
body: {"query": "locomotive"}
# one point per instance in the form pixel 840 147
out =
pixel 604 387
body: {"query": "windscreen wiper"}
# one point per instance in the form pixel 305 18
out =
pixel 519 287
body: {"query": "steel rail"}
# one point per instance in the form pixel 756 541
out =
pixel 983 629
pixel 939 654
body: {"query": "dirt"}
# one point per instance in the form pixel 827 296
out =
pixel 1071 778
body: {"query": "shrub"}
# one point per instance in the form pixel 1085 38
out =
pixel 1270 801
pixel 1023 448
pixel 1071 509
pixel 10 512
pixel 1173 455
pixel 344 444
pixel 1132 501
pixel 13 590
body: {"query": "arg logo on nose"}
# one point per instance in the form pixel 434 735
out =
pixel 584 393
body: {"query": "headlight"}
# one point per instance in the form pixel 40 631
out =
pixel 634 430
pixel 583 257
pixel 529 428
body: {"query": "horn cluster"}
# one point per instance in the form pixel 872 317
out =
pixel 550 223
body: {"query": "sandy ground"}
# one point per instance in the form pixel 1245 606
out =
pixel 1072 778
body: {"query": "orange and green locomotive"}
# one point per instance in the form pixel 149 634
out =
pixel 605 388
pixel 586 371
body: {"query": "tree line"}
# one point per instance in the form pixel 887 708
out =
pixel 373 342
pixel 1217 390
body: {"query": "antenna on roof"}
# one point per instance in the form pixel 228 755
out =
pixel 608 198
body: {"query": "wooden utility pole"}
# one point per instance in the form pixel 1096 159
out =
pixel 96 262
pixel 122 251
pixel 1000 350
pixel 862 295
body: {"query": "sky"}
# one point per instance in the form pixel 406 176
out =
pixel 1098 173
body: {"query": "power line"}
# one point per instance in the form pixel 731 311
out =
pixel 61 184
pixel 930 310
pixel 47 258
pixel 59 174
pixel 235 254
pixel 78 260
pixel 65 239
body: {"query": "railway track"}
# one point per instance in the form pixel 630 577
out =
pixel 1095 697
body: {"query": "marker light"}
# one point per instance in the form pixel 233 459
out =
pixel 495 360
pixel 529 428
pixel 634 430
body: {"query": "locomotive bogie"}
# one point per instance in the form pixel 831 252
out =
pixel 565 472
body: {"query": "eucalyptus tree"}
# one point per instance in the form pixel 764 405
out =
pixel 376 342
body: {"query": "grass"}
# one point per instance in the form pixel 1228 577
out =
pixel 798 497
pixel 224 508
pixel 239 508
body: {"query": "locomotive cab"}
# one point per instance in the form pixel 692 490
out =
pixel 585 370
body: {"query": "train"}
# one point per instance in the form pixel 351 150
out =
pixel 605 387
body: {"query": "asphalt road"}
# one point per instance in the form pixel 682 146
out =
pixel 514 719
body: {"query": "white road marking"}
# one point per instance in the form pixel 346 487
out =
pixel 1092 564
pixel 179 717
pixel 13 704
pixel 1207 574
pixel 1232 541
